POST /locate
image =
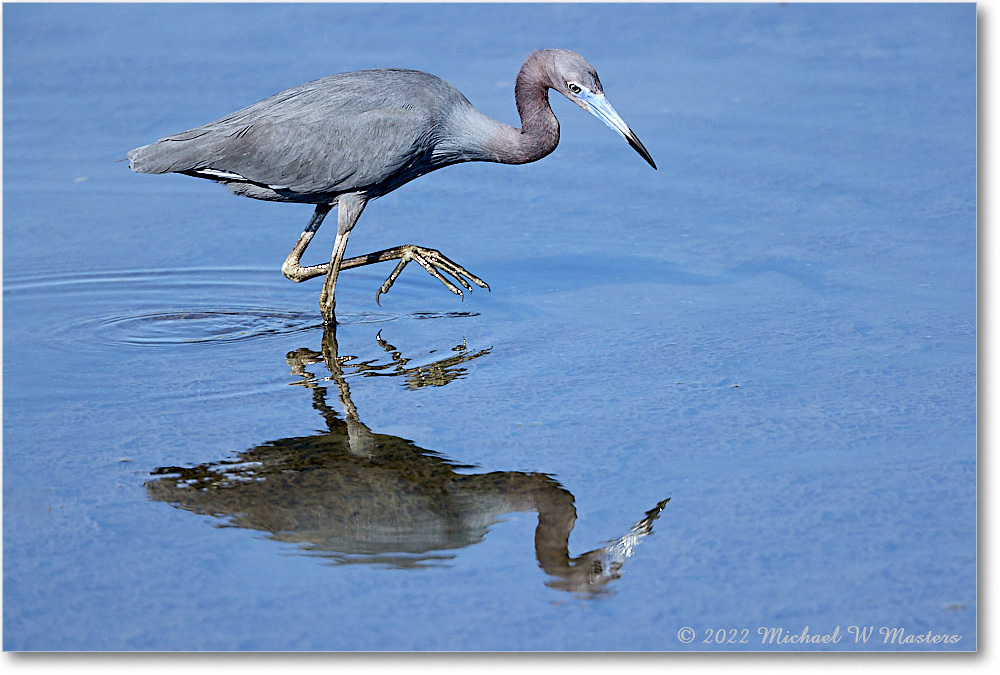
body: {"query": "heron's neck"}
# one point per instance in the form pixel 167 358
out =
pixel 539 132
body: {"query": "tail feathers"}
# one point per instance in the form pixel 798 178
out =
pixel 159 157
pixel 172 154
pixel 138 160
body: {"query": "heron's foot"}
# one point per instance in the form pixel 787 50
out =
pixel 435 263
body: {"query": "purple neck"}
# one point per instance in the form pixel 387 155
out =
pixel 539 132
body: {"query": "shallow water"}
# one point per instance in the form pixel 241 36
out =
pixel 776 331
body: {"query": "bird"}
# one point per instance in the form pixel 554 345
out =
pixel 346 139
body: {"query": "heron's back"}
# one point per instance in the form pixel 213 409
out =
pixel 369 130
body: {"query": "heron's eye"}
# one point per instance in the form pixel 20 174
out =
pixel 574 87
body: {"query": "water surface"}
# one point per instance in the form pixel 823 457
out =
pixel 776 331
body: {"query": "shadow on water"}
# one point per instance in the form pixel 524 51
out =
pixel 353 496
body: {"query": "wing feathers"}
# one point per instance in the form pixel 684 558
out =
pixel 340 133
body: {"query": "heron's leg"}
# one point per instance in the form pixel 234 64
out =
pixel 291 267
pixel 430 259
pixel 349 208
pixel 326 296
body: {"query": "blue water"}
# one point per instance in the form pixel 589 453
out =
pixel 776 330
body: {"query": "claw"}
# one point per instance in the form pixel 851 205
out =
pixel 437 275
pixel 391 280
pixel 434 262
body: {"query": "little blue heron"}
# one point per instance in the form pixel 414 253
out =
pixel 345 139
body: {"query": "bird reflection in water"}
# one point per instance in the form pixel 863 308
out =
pixel 350 495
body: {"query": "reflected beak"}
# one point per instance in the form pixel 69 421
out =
pixel 598 106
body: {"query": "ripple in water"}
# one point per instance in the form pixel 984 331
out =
pixel 165 329
pixel 101 297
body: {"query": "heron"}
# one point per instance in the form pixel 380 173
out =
pixel 346 139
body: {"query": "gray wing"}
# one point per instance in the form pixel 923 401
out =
pixel 341 133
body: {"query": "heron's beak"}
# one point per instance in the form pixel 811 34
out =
pixel 597 105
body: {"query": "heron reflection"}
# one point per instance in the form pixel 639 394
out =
pixel 354 496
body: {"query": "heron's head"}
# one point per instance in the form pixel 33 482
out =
pixel 571 75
